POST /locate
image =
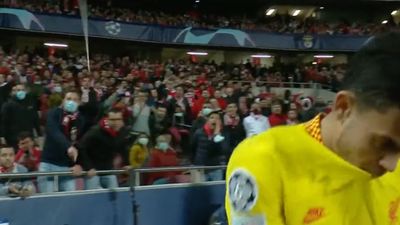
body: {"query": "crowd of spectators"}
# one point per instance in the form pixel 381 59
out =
pixel 129 113
pixel 277 23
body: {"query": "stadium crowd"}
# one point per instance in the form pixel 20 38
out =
pixel 129 113
pixel 277 23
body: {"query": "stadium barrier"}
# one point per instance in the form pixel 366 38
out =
pixel 170 204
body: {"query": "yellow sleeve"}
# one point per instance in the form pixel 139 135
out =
pixel 254 184
pixel 134 156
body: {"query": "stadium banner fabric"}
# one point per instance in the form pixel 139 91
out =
pixel 21 19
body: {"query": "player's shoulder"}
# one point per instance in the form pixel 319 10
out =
pixel 267 141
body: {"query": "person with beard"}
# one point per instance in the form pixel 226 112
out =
pixel 255 123
pixel 13 187
pixel 99 147
pixel 265 104
pixel 19 115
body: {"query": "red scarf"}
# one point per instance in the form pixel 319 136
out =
pixel 67 123
pixel 104 126
pixel 208 130
pixel 7 170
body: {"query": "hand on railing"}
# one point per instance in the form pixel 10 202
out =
pixel 20 191
pixel 76 170
pixel 91 173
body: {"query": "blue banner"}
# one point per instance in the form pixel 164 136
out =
pixel 168 205
pixel 25 20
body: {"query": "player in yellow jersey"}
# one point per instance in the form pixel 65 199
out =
pixel 334 170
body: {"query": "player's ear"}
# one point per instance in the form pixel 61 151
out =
pixel 344 105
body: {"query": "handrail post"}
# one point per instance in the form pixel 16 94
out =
pixel 137 178
pixel 55 183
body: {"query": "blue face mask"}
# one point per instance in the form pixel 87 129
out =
pixel 70 106
pixel 163 146
pixel 206 111
pixel 20 95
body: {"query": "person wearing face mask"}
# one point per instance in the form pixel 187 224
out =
pixel 139 152
pixel 202 117
pixel 100 146
pixel 19 115
pixel 255 123
pixel 163 155
pixel 64 128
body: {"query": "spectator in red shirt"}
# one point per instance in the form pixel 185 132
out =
pixel 277 117
pixel 220 99
pixel 28 154
pixel 198 104
pixel 163 156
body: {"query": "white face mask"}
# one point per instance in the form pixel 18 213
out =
pixel 143 141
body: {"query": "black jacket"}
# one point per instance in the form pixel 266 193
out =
pixel 97 149
pixel 158 127
pixel 57 143
pixel 188 111
pixel 18 116
pixel 208 152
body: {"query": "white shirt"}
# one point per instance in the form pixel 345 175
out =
pixel 255 124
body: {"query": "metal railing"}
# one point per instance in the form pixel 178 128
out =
pixel 135 174
pixel 313 85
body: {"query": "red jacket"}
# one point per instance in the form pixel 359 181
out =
pixel 32 161
pixel 276 120
pixel 222 103
pixel 198 106
pixel 160 158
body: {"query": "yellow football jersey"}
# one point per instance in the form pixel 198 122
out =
pixel 286 177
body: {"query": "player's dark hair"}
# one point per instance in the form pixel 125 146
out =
pixel 374 73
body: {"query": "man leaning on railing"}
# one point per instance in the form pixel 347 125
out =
pixel 13 187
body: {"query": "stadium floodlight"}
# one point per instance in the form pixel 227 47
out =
pixel 197 53
pixel 394 13
pixel 269 12
pixel 296 12
pixel 385 22
pixel 323 56
pixel 261 56
pixel 57 45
